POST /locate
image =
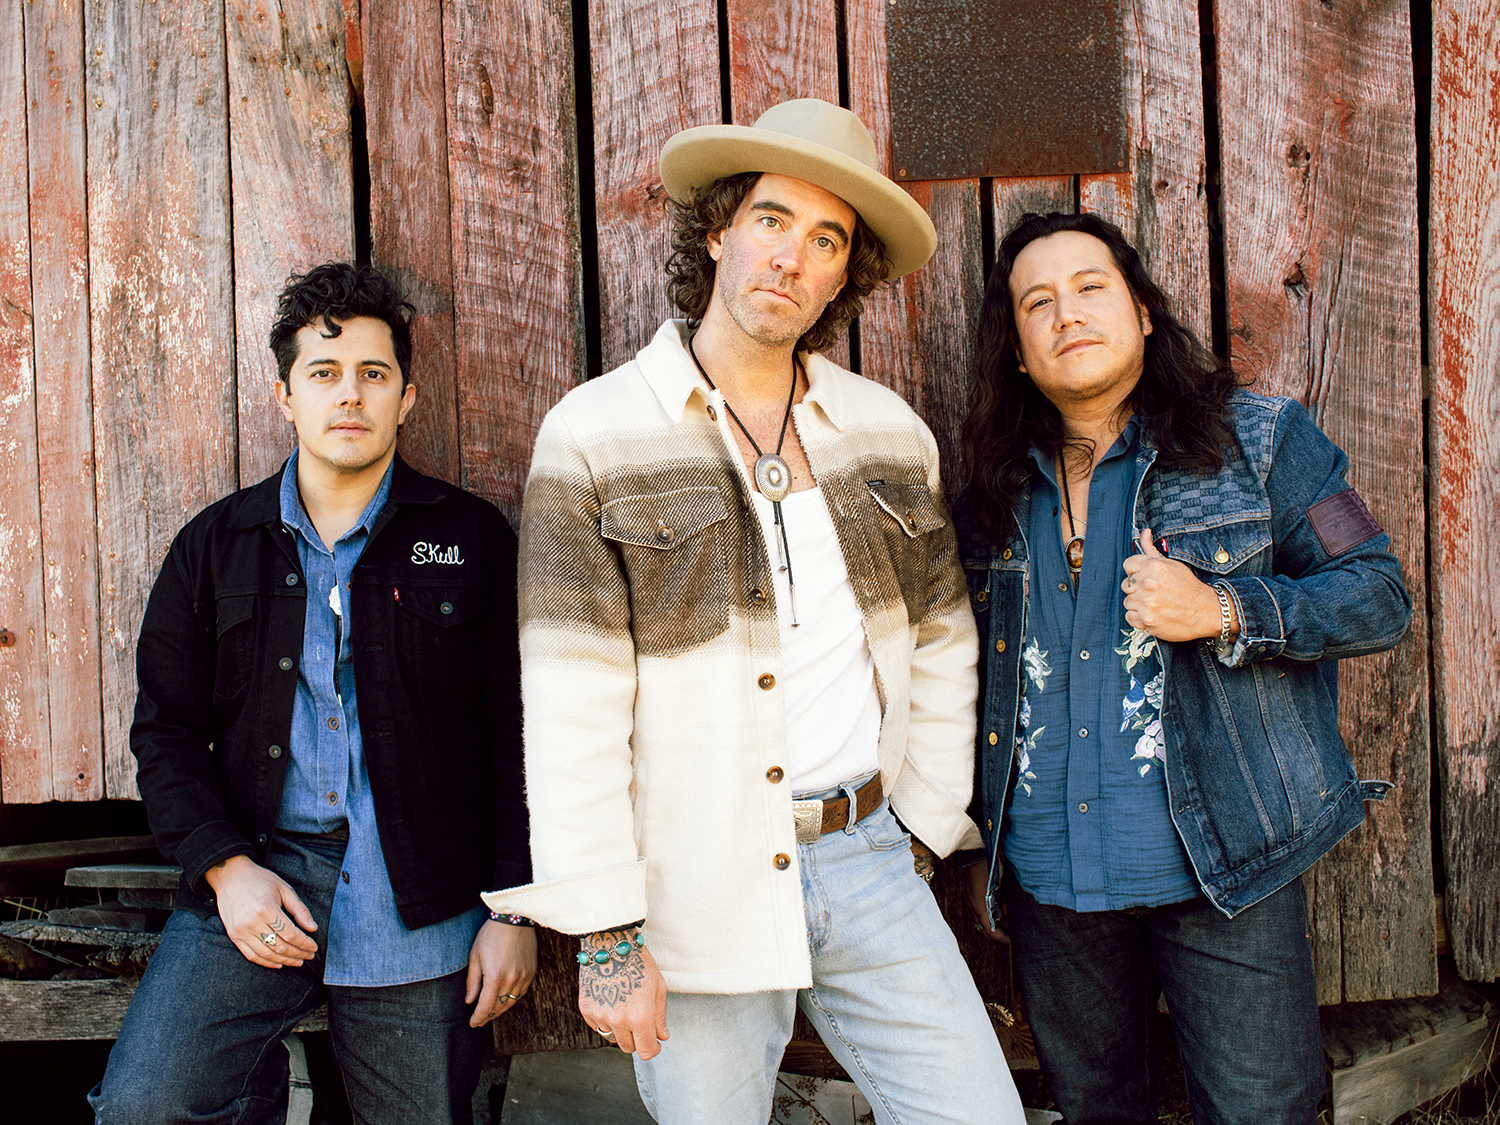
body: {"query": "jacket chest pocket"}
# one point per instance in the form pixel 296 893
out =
pixel 1217 552
pixel 907 515
pixel 672 546
pixel 440 630
pixel 234 634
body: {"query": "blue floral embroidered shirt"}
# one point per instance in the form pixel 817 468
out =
pixel 328 786
pixel 1088 826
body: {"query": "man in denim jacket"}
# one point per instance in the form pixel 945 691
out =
pixel 1159 748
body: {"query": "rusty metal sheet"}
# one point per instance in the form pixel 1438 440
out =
pixel 1004 88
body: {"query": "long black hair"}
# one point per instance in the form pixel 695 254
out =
pixel 1182 395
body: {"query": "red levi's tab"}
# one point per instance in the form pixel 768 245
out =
pixel 1342 522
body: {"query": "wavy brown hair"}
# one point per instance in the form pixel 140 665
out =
pixel 691 270
pixel 1182 397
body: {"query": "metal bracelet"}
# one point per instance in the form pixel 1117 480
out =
pixel 1222 642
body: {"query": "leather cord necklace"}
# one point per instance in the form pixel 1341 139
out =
pixel 1073 548
pixel 773 477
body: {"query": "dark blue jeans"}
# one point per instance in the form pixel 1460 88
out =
pixel 202 1039
pixel 1241 994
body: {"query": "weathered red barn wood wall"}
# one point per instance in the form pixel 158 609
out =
pixel 64 414
pixel 291 169
pixel 1320 235
pixel 917 337
pixel 25 733
pixel 654 67
pixel 1159 200
pixel 410 231
pixel 162 309
pixel 1464 351
pixel 517 263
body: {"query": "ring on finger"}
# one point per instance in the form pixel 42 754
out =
pixel 607 1036
pixel 269 939
pixel 510 996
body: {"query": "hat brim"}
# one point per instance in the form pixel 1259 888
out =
pixel 695 158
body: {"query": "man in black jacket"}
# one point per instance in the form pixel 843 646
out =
pixel 328 739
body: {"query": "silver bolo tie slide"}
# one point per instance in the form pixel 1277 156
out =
pixel 774 479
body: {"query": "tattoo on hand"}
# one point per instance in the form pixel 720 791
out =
pixel 279 924
pixel 615 981
pixel 923 860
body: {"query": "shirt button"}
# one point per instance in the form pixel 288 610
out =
pixel 1084 655
pixel 1062 587
pixel 1083 732
pixel 291 579
pixel 1083 806
pixel 344 875
pixel 999 646
pixel 333 798
pixel 286 663
pixel 994 739
pixel 757 596
pixel 767 682
pixel 333 722
pixel 782 861
pixel 774 775
pixel 274 751
pixel 446 607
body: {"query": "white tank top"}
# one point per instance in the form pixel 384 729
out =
pixel 832 709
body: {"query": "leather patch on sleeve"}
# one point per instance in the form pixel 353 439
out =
pixel 1342 522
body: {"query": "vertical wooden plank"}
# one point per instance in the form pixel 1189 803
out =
pixel 162 308
pixel 1159 201
pixel 290 167
pixel 64 414
pixel 1010 199
pixel 25 740
pixel 1318 141
pixel 410 231
pixel 517 264
pixel 1464 350
pixel 781 51
pixel 778 52
pixel 655 71
pixel 918 336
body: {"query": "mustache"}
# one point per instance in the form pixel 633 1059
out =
pixel 350 416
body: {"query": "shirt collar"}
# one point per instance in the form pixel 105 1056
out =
pixel 673 376
pixel 295 516
pixel 1124 445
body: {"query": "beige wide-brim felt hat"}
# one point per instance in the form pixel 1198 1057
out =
pixel 812 140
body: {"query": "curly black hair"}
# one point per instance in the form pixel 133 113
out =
pixel 1182 395
pixel 339 291
pixel 691 269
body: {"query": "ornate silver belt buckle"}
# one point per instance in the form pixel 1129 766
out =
pixel 807 818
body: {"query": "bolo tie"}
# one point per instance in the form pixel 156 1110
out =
pixel 773 477
pixel 1074 546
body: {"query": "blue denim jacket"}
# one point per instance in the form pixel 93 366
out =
pixel 1259 780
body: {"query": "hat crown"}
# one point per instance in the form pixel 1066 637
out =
pixel 821 123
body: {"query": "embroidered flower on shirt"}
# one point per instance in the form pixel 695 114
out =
pixel 1140 709
pixel 1035 662
pixel 1025 744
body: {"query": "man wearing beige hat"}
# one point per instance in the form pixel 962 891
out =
pixel 747 650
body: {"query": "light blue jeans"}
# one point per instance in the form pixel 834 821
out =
pixel 891 997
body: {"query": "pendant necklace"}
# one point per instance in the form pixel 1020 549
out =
pixel 773 477
pixel 1073 548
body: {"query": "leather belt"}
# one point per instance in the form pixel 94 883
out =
pixel 813 818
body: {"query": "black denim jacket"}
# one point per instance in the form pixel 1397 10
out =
pixel 433 616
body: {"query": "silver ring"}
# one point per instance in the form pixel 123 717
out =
pixel 510 996
pixel 269 939
pixel 607 1036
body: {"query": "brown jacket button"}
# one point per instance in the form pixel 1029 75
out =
pixel 782 861
pixel 757 596
pixel 767 682
pixel 774 774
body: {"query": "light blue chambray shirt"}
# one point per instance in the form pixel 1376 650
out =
pixel 327 783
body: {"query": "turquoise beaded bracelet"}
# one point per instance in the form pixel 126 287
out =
pixel 620 949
